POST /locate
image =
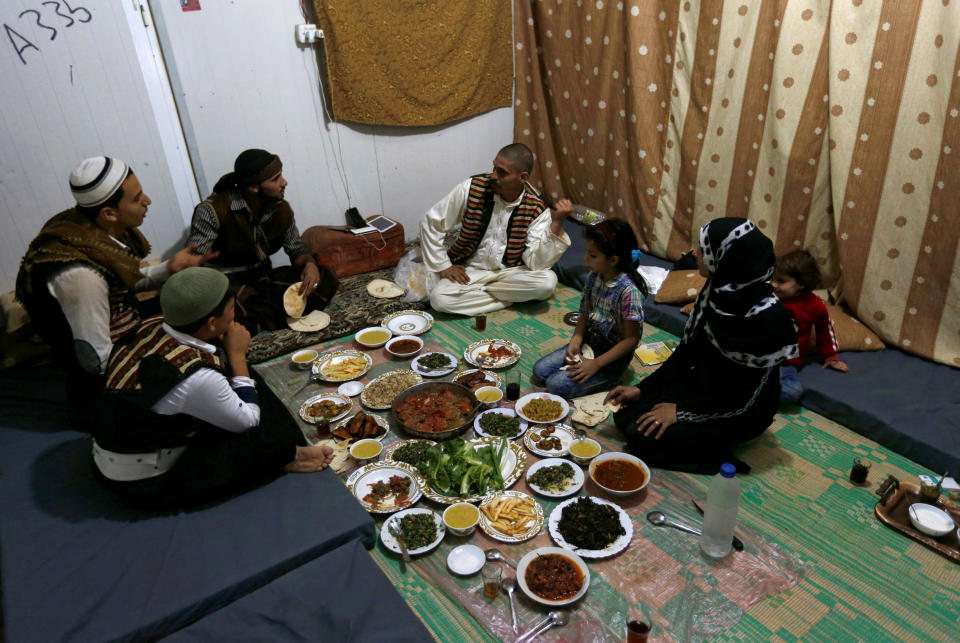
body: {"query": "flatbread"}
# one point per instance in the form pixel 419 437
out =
pixel 590 409
pixel 586 352
pixel 317 320
pixel 293 303
pixel 383 289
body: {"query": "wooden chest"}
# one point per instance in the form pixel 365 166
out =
pixel 349 254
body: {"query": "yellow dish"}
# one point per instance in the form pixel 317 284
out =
pixel 489 395
pixel 461 516
pixel 366 449
pixel 584 448
pixel 373 337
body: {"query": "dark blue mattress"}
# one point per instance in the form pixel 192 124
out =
pixel 340 596
pixel 79 563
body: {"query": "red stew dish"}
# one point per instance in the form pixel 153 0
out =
pixel 434 411
pixel 404 346
pixel 619 475
pixel 553 577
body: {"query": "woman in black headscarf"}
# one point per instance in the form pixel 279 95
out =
pixel 721 386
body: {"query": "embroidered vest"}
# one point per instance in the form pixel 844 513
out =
pixel 242 241
pixel 476 218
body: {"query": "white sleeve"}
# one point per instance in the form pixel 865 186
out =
pixel 207 395
pixel 153 277
pixel 440 219
pixel 84 298
pixel 543 247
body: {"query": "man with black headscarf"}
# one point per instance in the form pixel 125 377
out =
pixel 247 220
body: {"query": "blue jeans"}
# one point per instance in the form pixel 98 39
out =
pixel 548 369
pixel 790 387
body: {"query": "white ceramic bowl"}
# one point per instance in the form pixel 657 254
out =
pixel 360 337
pixel 495 390
pixel 461 531
pixel 396 339
pixel 377 445
pixel 540 551
pixel 930 519
pixel 304 358
pixel 603 457
pixel 585 460
pixel 465 560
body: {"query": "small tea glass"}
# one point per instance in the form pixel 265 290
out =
pixel 491 581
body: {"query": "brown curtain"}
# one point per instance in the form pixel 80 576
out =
pixel 416 62
pixel 833 126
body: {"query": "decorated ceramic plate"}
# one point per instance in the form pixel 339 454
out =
pixel 513 466
pixel 568 488
pixel 524 410
pixel 344 429
pixel 615 547
pixel 521 527
pixel 341 366
pixel 562 432
pixel 478 428
pixel 379 393
pixel 426 371
pixel 492 353
pixel 474 378
pixel 326 406
pixel 364 480
pixel 390 541
pixel 408 322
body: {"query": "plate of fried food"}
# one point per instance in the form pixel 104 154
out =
pixel 511 516
pixel 552 441
pixel 361 426
pixel 542 408
pixel 326 406
pixel 341 366
pixel 386 486
pixel 492 353
pixel 474 378
pixel 379 393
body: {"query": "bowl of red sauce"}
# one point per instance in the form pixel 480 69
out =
pixel 404 345
pixel 619 474
pixel 553 576
pixel 435 410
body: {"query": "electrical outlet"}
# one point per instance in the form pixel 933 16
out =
pixel 308 33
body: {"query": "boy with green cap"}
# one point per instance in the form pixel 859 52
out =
pixel 181 418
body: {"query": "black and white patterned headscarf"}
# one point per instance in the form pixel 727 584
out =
pixel 737 309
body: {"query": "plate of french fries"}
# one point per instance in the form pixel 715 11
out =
pixel 511 516
pixel 341 366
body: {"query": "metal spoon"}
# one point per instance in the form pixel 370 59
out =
pixel 398 534
pixel 509 584
pixel 495 555
pixel 559 617
pixel 661 519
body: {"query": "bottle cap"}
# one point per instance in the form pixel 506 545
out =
pixel 727 470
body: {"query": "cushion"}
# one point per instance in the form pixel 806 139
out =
pixel 688 308
pixel 80 563
pixel 680 287
pixel 340 596
pixel 852 334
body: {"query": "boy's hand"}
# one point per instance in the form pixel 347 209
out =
pixel 584 370
pixel 572 353
pixel 837 365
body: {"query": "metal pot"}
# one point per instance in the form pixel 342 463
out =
pixel 426 387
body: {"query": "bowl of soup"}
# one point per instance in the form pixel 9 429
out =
pixel 619 474
pixel 461 518
pixel 304 359
pixel 404 346
pixel 373 337
pixel 488 396
pixel 583 450
pixel 365 451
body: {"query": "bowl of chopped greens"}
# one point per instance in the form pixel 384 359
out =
pixel 555 478
pixel 421 530
pixel 590 527
pixel 434 364
pixel 499 423
pixel 412 452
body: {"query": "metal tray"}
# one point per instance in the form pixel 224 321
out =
pixel 894 514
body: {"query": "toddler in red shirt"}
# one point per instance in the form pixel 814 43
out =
pixel 794 277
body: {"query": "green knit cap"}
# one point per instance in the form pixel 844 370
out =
pixel 191 295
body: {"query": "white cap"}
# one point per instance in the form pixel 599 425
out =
pixel 94 180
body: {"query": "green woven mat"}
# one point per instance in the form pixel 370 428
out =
pixel 864 581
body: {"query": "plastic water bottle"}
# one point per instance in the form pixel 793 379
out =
pixel 720 514
pixel 587 216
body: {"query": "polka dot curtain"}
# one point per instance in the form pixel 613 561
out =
pixel 834 126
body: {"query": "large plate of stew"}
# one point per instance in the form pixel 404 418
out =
pixel 553 576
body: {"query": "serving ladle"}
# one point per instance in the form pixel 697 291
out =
pixel 495 555
pixel 558 617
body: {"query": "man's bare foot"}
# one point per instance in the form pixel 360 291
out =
pixel 310 459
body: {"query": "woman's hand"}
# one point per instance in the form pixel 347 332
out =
pixel 657 419
pixel 622 394
pixel 583 370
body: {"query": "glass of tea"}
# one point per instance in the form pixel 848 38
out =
pixel 513 384
pixel 491 581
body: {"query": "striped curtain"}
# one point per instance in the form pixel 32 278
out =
pixel 832 125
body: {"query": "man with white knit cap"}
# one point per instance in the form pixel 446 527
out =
pixel 79 274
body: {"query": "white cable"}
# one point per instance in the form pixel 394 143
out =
pixel 376 156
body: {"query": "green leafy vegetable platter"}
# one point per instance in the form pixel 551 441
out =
pixel 470 470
